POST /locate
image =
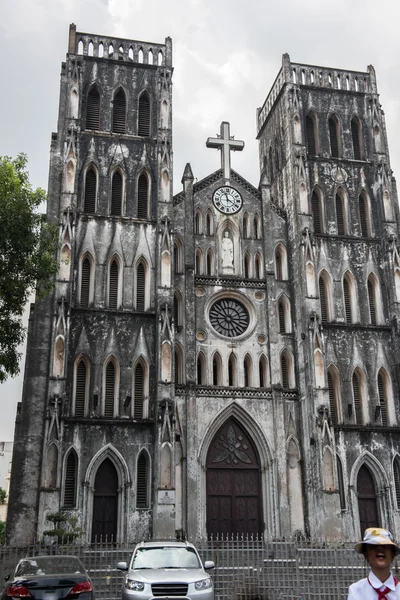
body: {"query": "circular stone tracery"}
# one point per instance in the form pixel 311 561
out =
pixel 229 317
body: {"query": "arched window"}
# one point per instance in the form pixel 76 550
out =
pixel 178 256
pixel 89 205
pixel 340 214
pixel 325 297
pixel 217 369
pixel 141 287
pixel 257 232
pixel 396 476
pixel 199 262
pixel 209 223
pixel 334 395
pixel 247 263
pixel 209 262
pixel 358 395
pixel 143 196
pixel 263 372
pixel 342 494
pixel 51 467
pixel 70 479
pixel 281 271
pixel 232 370
pixel 81 388
pixel 364 216
pixel 383 400
pixel 287 370
pixel 377 139
pixel 316 209
pixel 311 134
pixel 119 112
pixel 113 285
pixel 201 369
pixel 110 389
pixel 86 284
pixel 356 138
pixel 144 115
pixel 142 481
pixel 116 194
pixel 93 109
pixel 284 315
pixel 246 226
pixel 139 382
pixel 349 295
pixel 334 136
pixel 374 300
pixel 258 266
pixel 179 368
pixel 247 371
pixel 271 164
pixel 198 229
pixel 178 310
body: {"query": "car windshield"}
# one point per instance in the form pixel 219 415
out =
pixel 49 565
pixel 165 557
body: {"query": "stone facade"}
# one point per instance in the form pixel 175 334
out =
pixel 225 360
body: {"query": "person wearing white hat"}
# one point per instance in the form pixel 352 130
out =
pixel 379 551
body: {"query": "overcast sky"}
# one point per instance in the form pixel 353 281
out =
pixel 226 56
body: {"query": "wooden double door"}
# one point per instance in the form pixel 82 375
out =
pixel 367 501
pixel 233 483
pixel 105 503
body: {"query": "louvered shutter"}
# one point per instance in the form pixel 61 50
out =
pixel 278 265
pixel 316 212
pixel 339 215
pixel 347 300
pixel 323 300
pixel 215 371
pixel 90 191
pixel 284 372
pixel 310 135
pixel 382 400
pixel 70 480
pixel 258 267
pixel 141 482
pixel 355 134
pixel 261 370
pixel 85 283
pixel 139 392
pixel 281 315
pixel 113 286
pixel 332 399
pixel 209 264
pixel 231 371
pixel 80 389
pixel 143 191
pixel 144 115
pixel 357 399
pixel 140 287
pixel 363 216
pixel 396 473
pixel 371 301
pixel 109 391
pixel 116 194
pixel 246 369
pixel 342 494
pixel 119 112
pixel 246 266
pixel 93 110
pixel 176 312
pixel 333 138
pixel 176 371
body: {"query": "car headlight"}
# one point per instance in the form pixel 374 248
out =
pixel 204 584
pixel 137 586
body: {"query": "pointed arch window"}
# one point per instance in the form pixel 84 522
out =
pixel 374 300
pixel 357 384
pixel 138 391
pixel 246 266
pixel 89 205
pixel 311 134
pixel 209 224
pixel 334 395
pixel 258 266
pixel 201 369
pixel 263 372
pixel 340 215
pixel 232 370
pixel 281 271
pixel 199 262
pixel 119 112
pixel 178 257
pixel 257 233
pixel 142 481
pixel 198 229
pixel 316 209
pixel 325 297
pixel 179 371
pixel 333 125
pixel 141 287
pixel 116 194
pixel 356 138
pixel 110 391
pixel 284 371
pixel 178 311
pixel 348 294
pixel 81 388
pixel 144 115
pixel 143 196
pixel 342 494
pixel 284 315
pixel 217 369
pixel 364 216
pixel 86 283
pixel 396 476
pixel 383 401
pixel 248 371
pixel 246 227
pixel 70 479
pixel 93 109
pixel 209 262
pixel 113 285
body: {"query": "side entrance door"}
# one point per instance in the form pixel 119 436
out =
pixel 105 503
pixel 367 504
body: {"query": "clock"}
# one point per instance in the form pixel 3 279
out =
pixel 227 200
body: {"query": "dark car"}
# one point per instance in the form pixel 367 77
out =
pixel 49 578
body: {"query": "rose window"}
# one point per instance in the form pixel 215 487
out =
pixel 229 317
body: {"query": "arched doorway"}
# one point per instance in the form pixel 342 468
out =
pixel 233 483
pixel 105 503
pixel 367 502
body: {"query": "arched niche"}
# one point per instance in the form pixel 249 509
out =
pixel 165 186
pixel 229 259
pixel 59 356
pixel 166 467
pixel 73 104
pixel 65 263
pixel 69 184
pixel 166 269
pixel 166 362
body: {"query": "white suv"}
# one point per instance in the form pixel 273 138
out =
pixel 169 568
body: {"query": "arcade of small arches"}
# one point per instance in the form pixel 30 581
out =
pixel 132 53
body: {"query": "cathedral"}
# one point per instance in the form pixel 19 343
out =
pixel 224 360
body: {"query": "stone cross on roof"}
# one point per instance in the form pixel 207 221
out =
pixel 225 142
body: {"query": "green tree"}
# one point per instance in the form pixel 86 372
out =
pixel 3 495
pixel 27 251
pixel 2 532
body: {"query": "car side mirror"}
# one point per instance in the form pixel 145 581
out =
pixel 209 564
pixel 6 577
pixel 122 566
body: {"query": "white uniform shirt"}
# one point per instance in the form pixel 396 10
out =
pixel 362 590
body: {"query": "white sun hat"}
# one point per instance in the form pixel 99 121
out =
pixel 375 536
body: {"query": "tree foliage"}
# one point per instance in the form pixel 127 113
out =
pixel 66 528
pixel 3 495
pixel 27 251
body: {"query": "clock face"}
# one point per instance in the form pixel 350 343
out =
pixel 227 200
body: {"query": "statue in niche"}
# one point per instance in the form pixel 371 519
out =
pixel 227 252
